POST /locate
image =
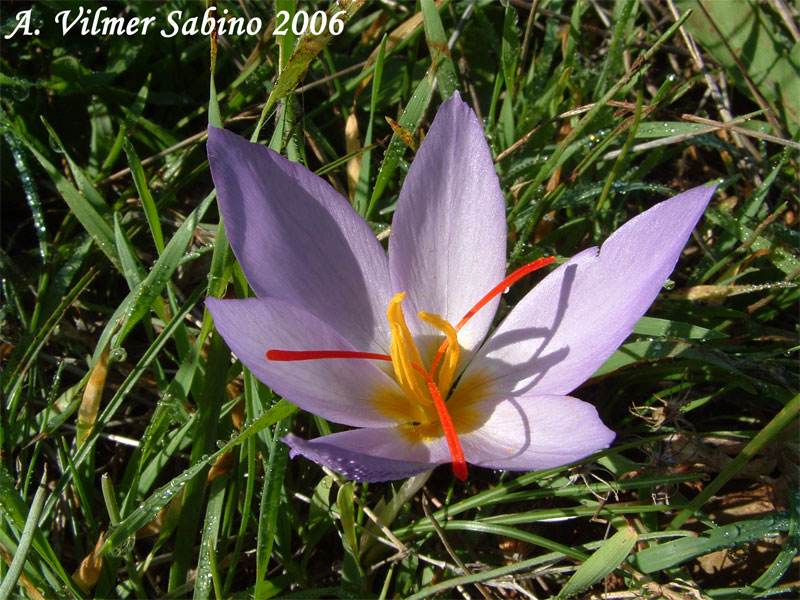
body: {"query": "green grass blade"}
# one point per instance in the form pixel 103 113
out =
pixel 783 561
pixel 14 508
pixel 622 14
pixel 31 191
pixel 410 120
pixel 147 511
pixel 440 52
pixel 785 417
pixel 129 264
pixel 602 562
pixel 205 434
pixel 16 368
pixel 769 60
pixel 148 204
pixel 30 528
pixel 110 499
pixel 275 469
pixel 344 501
pixel 116 401
pixel 139 301
pixel 777 254
pixel 676 552
pixel 131 117
pixel 249 451
pixel 360 199
pixel 208 542
pixel 34 570
pixel 84 185
pixel 214 115
pixel 655 327
pixel 307 49
pixel 558 156
pixel 93 221
pixel 510 50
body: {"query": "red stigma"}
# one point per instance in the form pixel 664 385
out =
pixel 495 291
pixel 453 443
pixel 456 452
pixel 294 355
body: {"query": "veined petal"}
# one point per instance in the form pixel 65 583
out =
pixel 534 432
pixel 569 324
pixel 519 434
pixel 448 243
pixel 338 390
pixel 297 239
pixel 352 453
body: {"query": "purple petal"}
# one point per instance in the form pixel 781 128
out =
pixel 526 433
pixel 566 327
pixel 448 244
pixel 298 240
pixel 340 390
pixel 351 454
pixel 535 432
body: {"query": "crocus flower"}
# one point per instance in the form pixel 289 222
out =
pixel 396 346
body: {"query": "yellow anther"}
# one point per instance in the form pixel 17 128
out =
pixel 405 354
pixel 447 367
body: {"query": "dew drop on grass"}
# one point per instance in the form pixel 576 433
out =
pixel 31 194
pixel 54 146
pixel 21 91
pixel 124 546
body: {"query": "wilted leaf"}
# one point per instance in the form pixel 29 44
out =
pixel 87 413
pixel 89 570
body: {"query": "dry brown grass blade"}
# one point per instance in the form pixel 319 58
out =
pixel 87 413
pixel 731 126
pixel 403 133
pixel 717 293
pixel 85 577
pixel 352 144
pixel 224 464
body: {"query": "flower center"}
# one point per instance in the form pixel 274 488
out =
pixel 414 380
pixel 407 362
pixel 425 391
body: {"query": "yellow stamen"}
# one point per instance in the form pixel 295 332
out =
pixel 447 368
pixel 405 354
pixel 425 414
pixel 415 380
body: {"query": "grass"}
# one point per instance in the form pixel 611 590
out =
pixel 137 459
